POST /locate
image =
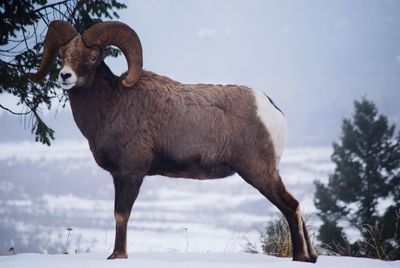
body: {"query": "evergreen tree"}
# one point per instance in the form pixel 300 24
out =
pixel 23 25
pixel 367 161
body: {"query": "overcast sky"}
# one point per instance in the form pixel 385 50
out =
pixel 312 57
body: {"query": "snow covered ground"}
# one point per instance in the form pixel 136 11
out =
pixel 184 260
pixel 44 190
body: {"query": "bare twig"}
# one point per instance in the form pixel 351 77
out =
pixel 15 113
pixel 43 18
pixel 25 40
pixel 61 13
pixel 69 229
pixel 12 48
pixel 50 5
pixel 187 240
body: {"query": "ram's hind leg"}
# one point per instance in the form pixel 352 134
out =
pixel 272 187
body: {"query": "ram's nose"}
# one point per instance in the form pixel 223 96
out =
pixel 65 76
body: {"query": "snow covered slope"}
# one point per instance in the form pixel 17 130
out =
pixel 182 260
pixel 44 190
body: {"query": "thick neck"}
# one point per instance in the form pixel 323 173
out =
pixel 86 103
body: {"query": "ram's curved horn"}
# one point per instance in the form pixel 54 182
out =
pixel 125 38
pixel 58 34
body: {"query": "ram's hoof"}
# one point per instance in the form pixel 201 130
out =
pixel 117 255
pixel 312 258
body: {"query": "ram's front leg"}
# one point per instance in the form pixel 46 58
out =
pixel 126 191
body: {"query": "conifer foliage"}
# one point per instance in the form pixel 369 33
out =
pixel 366 176
pixel 23 24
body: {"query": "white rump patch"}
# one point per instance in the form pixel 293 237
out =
pixel 274 121
pixel 70 81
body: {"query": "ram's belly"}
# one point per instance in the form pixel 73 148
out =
pixel 192 167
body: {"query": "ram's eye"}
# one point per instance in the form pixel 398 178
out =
pixel 93 55
pixel 92 58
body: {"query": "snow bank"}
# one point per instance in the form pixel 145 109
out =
pixel 35 151
pixel 184 260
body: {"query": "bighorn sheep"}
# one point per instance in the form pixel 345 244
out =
pixel 145 124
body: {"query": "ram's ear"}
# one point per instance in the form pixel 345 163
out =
pixel 104 52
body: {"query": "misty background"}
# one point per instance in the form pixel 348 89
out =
pixel 313 58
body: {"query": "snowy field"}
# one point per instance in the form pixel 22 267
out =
pixel 44 190
pixel 184 260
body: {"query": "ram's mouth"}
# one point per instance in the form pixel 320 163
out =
pixel 66 85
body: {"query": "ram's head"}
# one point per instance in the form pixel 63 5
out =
pixel 82 54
